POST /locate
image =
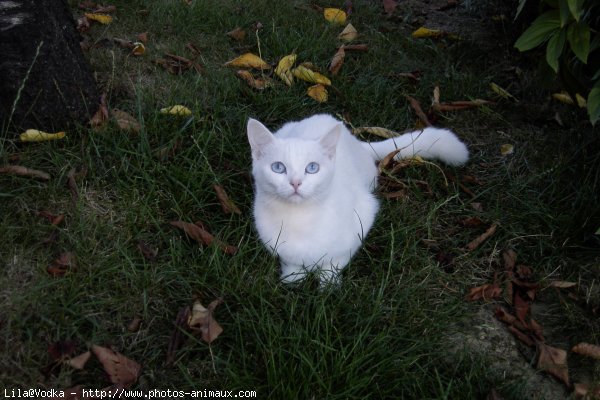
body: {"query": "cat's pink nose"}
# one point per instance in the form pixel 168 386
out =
pixel 296 184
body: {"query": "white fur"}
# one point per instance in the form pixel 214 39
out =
pixel 319 220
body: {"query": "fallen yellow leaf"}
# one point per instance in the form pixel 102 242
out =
pixel 176 110
pixel 501 92
pixel 335 16
pixel 102 18
pixel 248 60
pixel 348 34
pixel 308 75
pixel 564 97
pixel 33 135
pixel 138 49
pixel 507 149
pixel 283 69
pixel 423 32
pixel 318 92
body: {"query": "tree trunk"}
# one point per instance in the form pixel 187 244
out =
pixel 45 81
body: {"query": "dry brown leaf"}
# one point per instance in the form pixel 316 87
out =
pixel 387 159
pixel 486 292
pixel 61 350
pixel 256 83
pixel 583 391
pixel 201 320
pixel 227 204
pixel 124 43
pixel 54 219
pixel 126 121
pixel 101 116
pixel 337 61
pixel 389 6
pixel 237 34
pixel 521 336
pixel 79 361
pixel 356 47
pixel 470 222
pixel 135 324
pixel 63 264
pixel 587 349
pixel 105 9
pixel 120 369
pixel 19 170
pixel 553 361
pixel 149 253
pixel 142 37
pixel 521 307
pixel 510 258
pixel 202 236
pixel 416 106
pixel 562 284
pixel 475 243
pixel 375 130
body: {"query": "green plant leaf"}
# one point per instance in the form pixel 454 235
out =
pixel 578 35
pixel 565 12
pixel 576 7
pixel 593 103
pixel 539 31
pixel 555 47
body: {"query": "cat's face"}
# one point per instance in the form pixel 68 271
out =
pixel 291 169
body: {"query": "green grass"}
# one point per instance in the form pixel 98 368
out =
pixel 384 332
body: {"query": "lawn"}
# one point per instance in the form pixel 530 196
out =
pixel 386 331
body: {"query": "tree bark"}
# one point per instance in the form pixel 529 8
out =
pixel 45 81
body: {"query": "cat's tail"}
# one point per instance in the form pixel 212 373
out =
pixel 430 143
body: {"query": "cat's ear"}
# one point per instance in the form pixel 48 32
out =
pixel 259 137
pixel 330 139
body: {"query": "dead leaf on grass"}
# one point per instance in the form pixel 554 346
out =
pixel 587 349
pixel 52 218
pixel 348 34
pixel 142 37
pixel 470 222
pixel 283 69
pixel 259 83
pixel 521 336
pixel 562 284
pixel 35 135
pixel 227 204
pixel 521 307
pixel 79 361
pixel 61 350
pixel 318 92
pixel 416 106
pixel 334 16
pixel 202 236
pixel 101 116
pixel 554 361
pixel 304 73
pixel 501 92
pixel 337 61
pixel 19 170
pixel 201 320
pixel 475 243
pixel 149 253
pixel 583 391
pixel 120 369
pixel 486 292
pixel 248 60
pixel 63 264
pixel 237 34
pixel 389 6
pixel 460 105
pixel 507 149
pixel 101 18
pixel 135 324
pixel 178 336
pixel 126 121
pixel 375 130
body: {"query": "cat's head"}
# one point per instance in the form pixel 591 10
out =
pixel 292 169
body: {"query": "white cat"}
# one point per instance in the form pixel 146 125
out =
pixel 314 183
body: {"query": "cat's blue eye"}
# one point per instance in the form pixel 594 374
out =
pixel 312 168
pixel 278 167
